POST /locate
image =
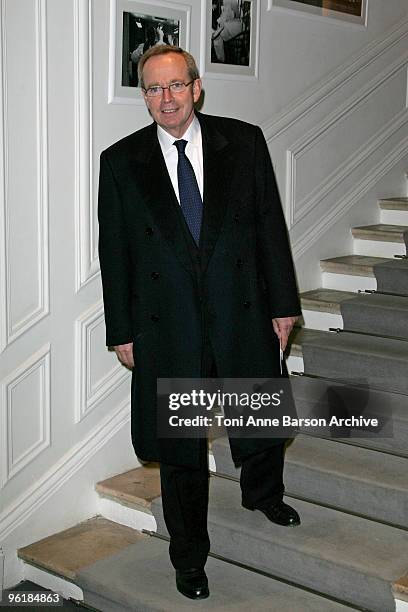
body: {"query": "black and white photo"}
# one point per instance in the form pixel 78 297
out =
pixel 231 43
pixel 140 33
pixel 135 27
pixel 231 32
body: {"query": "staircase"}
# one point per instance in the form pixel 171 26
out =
pixel 351 551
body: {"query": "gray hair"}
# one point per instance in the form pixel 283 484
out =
pixel 164 50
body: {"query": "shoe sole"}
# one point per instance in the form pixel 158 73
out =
pixel 191 596
pixel 274 522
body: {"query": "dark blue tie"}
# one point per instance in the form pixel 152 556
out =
pixel 189 193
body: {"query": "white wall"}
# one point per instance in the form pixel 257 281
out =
pixel 331 98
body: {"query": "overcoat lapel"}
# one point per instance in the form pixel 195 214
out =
pixel 218 165
pixel 162 200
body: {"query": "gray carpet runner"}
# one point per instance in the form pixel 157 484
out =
pixel 354 479
pixel 345 556
pixel 141 579
pixel 392 276
pixel 376 313
pixel 316 397
pixel 359 359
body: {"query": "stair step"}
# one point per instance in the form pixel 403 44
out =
pixel 394 210
pixel 397 444
pixel 142 578
pixel 356 265
pixel 381 362
pixel 324 300
pixel 353 479
pixel 68 552
pixel 321 308
pixel 377 314
pixel 350 272
pixel 300 335
pixel 394 204
pixel 342 555
pixel 136 488
pixel 383 232
pixel 380 240
pixel 120 569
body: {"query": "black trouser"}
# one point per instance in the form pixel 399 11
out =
pixel 185 500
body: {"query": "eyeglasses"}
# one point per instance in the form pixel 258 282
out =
pixel 176 88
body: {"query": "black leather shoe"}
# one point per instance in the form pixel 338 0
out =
pixel 280 513
pixel 192 583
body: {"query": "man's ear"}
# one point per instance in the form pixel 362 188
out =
pixel 197 87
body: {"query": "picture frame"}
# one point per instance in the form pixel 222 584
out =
pixel 230 45
pixel 350 11
pixel 134 27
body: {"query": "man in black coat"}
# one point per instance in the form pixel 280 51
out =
pixel 198 281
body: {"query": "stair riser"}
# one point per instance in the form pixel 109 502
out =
pixel 394 217
pixel 314 319
pixel 377 248
pixel 122 514
pixel 324 576
pixel 347 282
pixel 295 364
pixel 52 581
pixel 333 489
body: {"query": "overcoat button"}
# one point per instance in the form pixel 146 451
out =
pixel 247 304
pixel 149 231
pixel 155 275
pixel 240 263
pixel 154 318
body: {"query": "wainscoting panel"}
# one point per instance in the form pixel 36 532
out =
pixel 25 400
pixel 25 167
pixel 98 372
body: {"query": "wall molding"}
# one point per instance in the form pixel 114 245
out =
pixel 64 469
pixel 13 465
pixel 90 394
pixel 317 230
pixel 335 81
pixel 297 210
pixel 10 331
pixel 86 263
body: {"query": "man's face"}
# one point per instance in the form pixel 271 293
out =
pixel 172 111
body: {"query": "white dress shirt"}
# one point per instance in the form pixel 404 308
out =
pixel 194 152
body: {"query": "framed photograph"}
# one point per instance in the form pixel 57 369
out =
pixel 135 27
pixel 353 11
pixel 231 40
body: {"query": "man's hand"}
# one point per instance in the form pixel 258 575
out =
pixel 282 327
pixel 124 353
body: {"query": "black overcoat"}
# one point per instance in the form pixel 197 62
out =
pixel 150 289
